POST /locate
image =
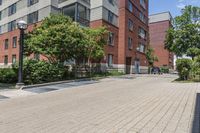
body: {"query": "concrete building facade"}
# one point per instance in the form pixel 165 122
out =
pixel 126 20
pixel 158 26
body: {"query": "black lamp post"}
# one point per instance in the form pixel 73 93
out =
pixel 136 60
pixel 22 26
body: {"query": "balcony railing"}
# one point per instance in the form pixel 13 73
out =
pixel 83 21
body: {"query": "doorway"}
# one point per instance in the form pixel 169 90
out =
pixel 128 65
pixel 137 67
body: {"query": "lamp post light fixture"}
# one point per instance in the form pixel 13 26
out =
pixel 137 50
pixel 22 26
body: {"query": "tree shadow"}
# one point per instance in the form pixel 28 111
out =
pixel 196 117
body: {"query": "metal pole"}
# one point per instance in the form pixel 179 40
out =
pixel 20 70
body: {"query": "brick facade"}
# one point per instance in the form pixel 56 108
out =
pixel 157 32
pixel 126 55
pixel 124 58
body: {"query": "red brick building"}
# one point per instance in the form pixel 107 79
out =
pixel 133 35
pixel 158 25
pixel 127 22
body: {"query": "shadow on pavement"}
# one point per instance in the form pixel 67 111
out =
pixel 196 119
pixel 3 97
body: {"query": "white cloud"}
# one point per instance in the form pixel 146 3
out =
pixel 180 6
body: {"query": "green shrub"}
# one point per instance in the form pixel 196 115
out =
pixel 8 75
pixel 115 73
pixel 184 67
pixel 164 70
pixel 196 68
pixel 42 71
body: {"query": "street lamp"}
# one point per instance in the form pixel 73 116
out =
pixel 136 61
pixel 137 49
pixel 22 26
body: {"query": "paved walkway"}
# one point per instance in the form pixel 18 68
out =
pixel 116 105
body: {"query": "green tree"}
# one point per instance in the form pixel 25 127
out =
pixel 196 67
pixel 186 32
pixel 184 67
pixel 60 39
pixel 193 52
pixel 151 58
pixel 92 45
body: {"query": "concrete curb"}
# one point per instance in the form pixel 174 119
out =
pixel 66 81
pixel 58 82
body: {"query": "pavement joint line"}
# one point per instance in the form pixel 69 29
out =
pixel 174 113
pixel 121 109
pixel 171 104
pixel 171 116
pixel 124 119
pixel 160 103
pixel 183 110
pixel 115 110
pixel 86 107
pixel 152 99
pixel 166 112
pixel 163 98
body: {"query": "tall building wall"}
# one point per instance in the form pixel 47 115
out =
pixel 158 26
pixel 113 14
pixel 133 16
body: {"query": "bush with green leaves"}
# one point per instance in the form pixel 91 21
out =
pixel 8 75
pixel 184 67
pixel 196 68
pixel 164 69
pixel 36 71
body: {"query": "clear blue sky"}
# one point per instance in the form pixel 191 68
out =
pixel 174 6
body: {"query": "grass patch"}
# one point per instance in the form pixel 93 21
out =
pixel 107 74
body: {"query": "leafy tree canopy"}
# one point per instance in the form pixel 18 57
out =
pixel 60 39
pixel 186 32
pixel 151 58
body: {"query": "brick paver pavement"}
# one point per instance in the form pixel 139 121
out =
pixel 146 104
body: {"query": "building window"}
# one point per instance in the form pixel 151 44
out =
pixel 0 2
pixel 14 44
pixel 12 9
pixel 111 38
pixel 142 33
pixel 142 48
pixel 143 3
pixel 110 60
pixel 14 59
pixel 130 6
pixel 11 25
pixel 33 17
pixel 70 11
pixel 6 44
pixel 130 24
pixel 142 17
pixel 110 17
pixel 5 60
pixel 130 43
pixel 83 15
pixel 32 2
pixel 78 13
